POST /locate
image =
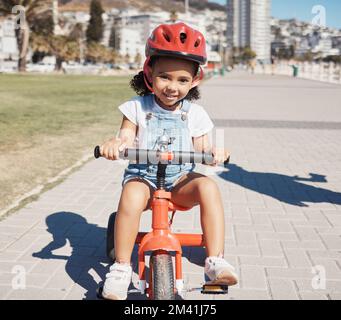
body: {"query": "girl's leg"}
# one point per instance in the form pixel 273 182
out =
pixel 193 189
pixel 134 200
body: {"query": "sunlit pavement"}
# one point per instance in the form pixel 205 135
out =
pixel 281 194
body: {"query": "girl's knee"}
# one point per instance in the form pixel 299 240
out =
pixel 207 187
pixel 135 197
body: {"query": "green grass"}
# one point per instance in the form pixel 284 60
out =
pixel 47 122
pixel 53 105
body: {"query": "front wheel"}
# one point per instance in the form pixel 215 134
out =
pixel 162 278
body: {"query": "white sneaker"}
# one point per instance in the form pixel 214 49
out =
pixel 117 282
pixel 219 271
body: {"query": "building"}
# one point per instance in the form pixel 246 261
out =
pixel 131 30
pixel 248 25
pixel 8 42
pixel 325 46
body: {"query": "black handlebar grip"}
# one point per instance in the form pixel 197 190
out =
pixel 97 152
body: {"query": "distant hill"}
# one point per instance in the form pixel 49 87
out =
pixel 147 5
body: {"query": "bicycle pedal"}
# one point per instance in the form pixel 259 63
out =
pixel 214 289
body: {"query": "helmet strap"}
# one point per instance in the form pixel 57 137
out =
pixel 197 79
pixel 147 75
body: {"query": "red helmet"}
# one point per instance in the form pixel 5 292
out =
pixel 177 40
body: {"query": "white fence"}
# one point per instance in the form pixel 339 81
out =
pixel 326 72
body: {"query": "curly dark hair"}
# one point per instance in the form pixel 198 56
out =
pixel 138 85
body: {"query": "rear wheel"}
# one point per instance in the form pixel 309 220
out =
pixel 162 278
pixel 110 237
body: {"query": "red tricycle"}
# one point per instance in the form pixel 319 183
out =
pixel 161 241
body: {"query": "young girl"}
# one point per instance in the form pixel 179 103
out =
pixel 165 87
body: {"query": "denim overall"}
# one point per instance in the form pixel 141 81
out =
pixel 176 127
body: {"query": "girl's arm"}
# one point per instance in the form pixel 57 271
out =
pixel 126 137
pixel 127 132
pixel 202 144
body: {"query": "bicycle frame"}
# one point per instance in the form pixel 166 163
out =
pixel 162 239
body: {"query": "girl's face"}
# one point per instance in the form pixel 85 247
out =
pixel 172 79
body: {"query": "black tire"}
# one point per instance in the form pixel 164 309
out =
pixel 162 276
pixel 110 249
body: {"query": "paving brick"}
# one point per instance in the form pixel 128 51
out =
pixel 334 255
pixel 246 294
pixel 282 289
pixel 257 228
pixel 307 233
pixel 308 295
pixel 271 248
pixel 334 296
pixel 245 238
pixel 332 269
pixel 276 235
pixel 36 294
pixel 240 221
pixel 288 217
pixel 289 273
pixel 258 211
pixel 282 226
pixel 263 261
pixel 329 230
pixel 263 219
pixel 316 215
pixel 332 286
pixel 9 267
pixel 9 256
pixel 297 258
pixel 333 242
pixel 253 277
pixel 242 250
pixel 24 225
pixel 333 219
pixel 48 267
pixel 5 291
pixel 311 244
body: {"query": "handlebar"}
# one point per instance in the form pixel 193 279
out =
pixel 148 156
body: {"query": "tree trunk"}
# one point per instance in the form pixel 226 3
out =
pixel 22 35
pixel 58 65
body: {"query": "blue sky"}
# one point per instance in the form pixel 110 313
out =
pixel 302 10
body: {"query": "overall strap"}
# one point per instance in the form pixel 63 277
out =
pixel 186 105
pixel 148 102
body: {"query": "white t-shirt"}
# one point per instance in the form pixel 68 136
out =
pixel 199 122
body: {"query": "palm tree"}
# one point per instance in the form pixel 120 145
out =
pixel 64 49
pixel 39 45
pixel 33 10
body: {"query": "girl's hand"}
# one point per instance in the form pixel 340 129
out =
pixel 220 155
pixel 111 149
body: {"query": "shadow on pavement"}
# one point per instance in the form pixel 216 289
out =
pixel 287 189
pixel 85 240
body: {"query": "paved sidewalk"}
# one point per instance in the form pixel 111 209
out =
pixel 281 194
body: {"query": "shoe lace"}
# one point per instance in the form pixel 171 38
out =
pixel 220 262
pixel 118 272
